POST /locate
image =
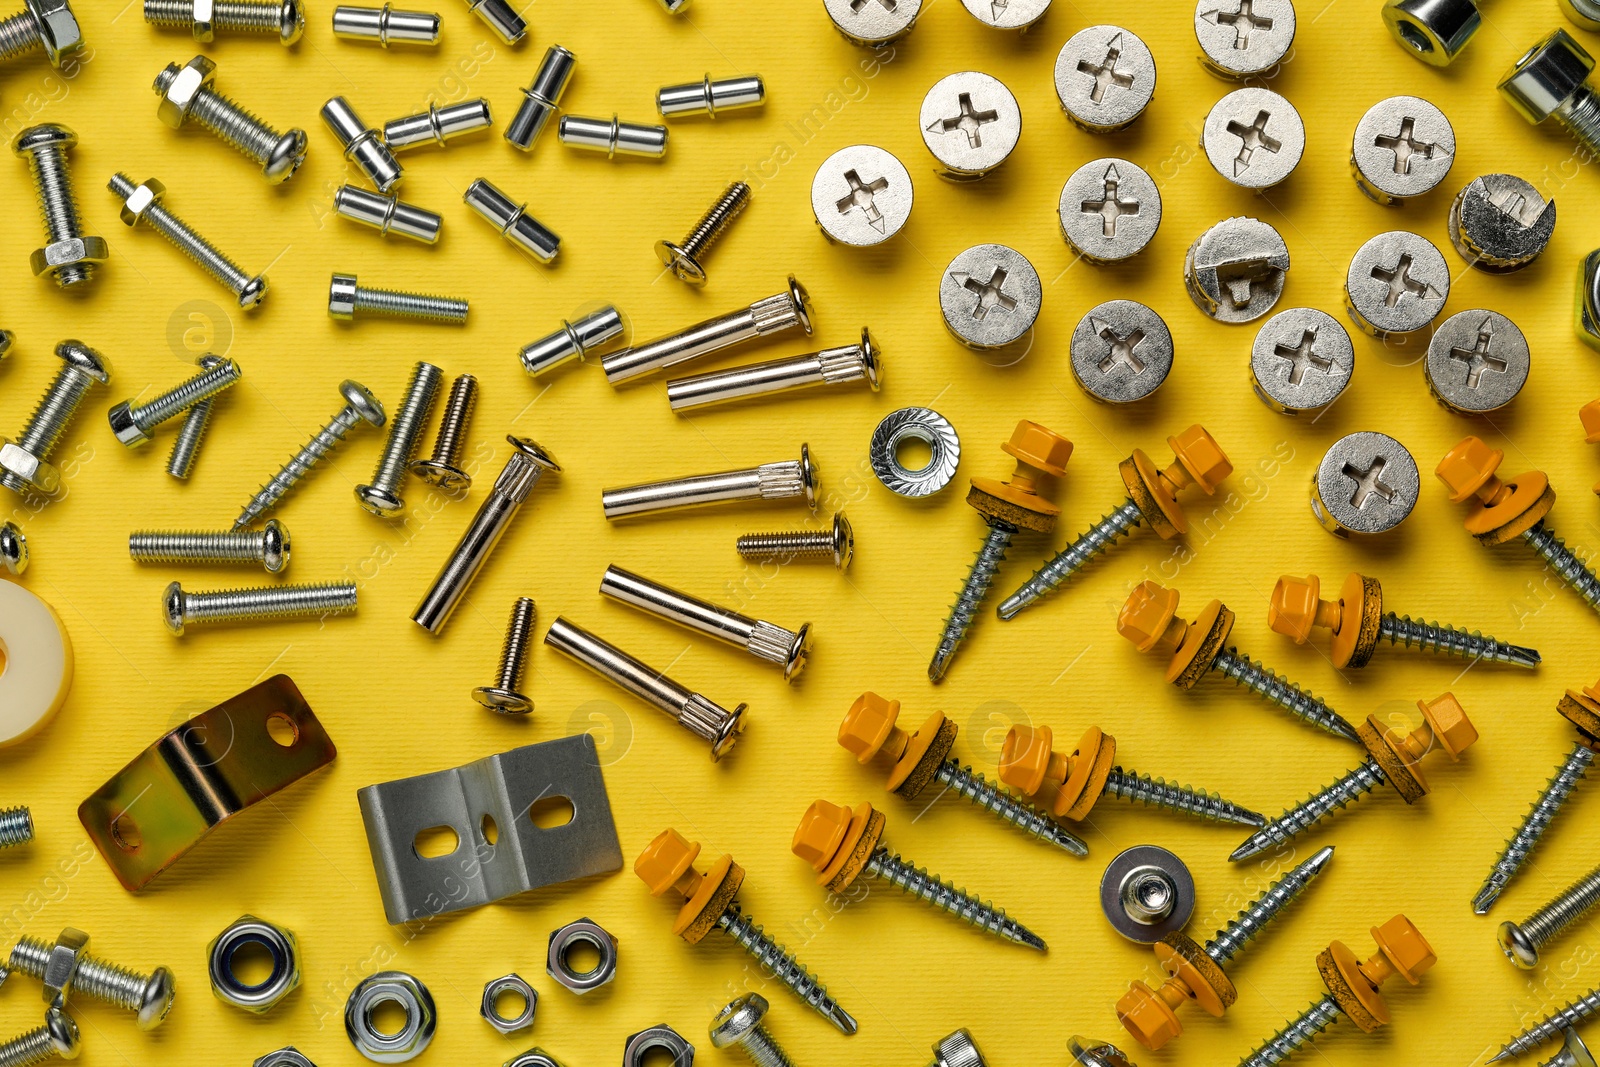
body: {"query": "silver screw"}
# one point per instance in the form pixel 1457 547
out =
pixel 346 297
pixel 957 1050
pixel 48 27
pixel 192 434
pixel 68 256
pixel 443 468
pixel 286 18
pixel 1566 563
pixel 268 546
pixel 58 1037
pixel 1099 537
pixel 24 462
pixel 1255 915
pixel 147 996
pixel 16 827
pixel 133 423
pixel 842 365
pixel 505 695
pixel 739 1026
pixel 267 602
pixel 1574 1053
pixel 1139 788
pixel 1301 1032
pixel 382 495
pixel 782 480
pixel 774 959
pixel 1521 941
pixel 918 882
pixel 186 93
pixel 359 406
pixel 973 592
pixel 541 97
pixel 1297 820
pixel 1550 1027
pixel 773 314
pixel 836 543
pixel 684 260
pixel 977 789
pixel 144 202
pixel 1551 80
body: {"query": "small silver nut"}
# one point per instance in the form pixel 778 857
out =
pixel 58 28
pixel 203 13
pixel 182 88
pixel 583 932
pixel 68 253
pixel 659 1037
pixel 288 1056
pixel 149 192
pixel 250 932
pixel 534 1057
pixel 1588 311
pixel 1546 76
pixel 18 463
pixel 391 987
pixel 515 985
pixel 61 966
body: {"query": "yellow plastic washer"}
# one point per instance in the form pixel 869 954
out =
pixel 37 670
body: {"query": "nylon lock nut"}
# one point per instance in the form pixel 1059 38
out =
pixel 1367 483
pixel 1121 352
pixel 1499 223
pixel 1254 138
pixel 1105 77
pixel 1477 362
pixel 1397 284
pixel 861 196
pixel 990 296
pixel 1110 210
pixel 1243 38
pixel 1234 272
pixel 281 949
pixel 1403 147
pixel 970 122
pixel 1301 362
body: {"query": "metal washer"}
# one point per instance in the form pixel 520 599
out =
pixel 1110 210
pixel 872 23
pixel 1478 361
pixel 1397 284
pixel 1254 138
pixel 919 424
pixel 1105 76
pixel 1147 893
pixel 970 123
pixel 990 296
pixel 861 196
pixel 1241 38
pixel 1367 483
pixel 1121 352
pixel 1403 147
pixel 1302 361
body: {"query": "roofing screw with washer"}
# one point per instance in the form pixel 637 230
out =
pixel 68 256
pixel 132 423
pixel 505 695
pixel 1367 483
pixel 837 543
pixel 359 406
pixel 684 260
pixel 382 495
pixel 437 125
pixel 739 1025
pixel 831 366
pixel 1477 362
pixel 186 92
pixel 1104 77
pixel 1109 210
pixel 179 608
pixel 861 195
pixel 707 97
pixel 1551 80
pixel 575 340
pixel 970 123
pixel 1403 147
pixel 443 467
pixel 500 17
pixel 47 26
pixel 387 214
pixel 521 229
pixel 1234 272
pixel 1302 361
pixel 1254 138
pixel 1522 941
pixel 1434 31
pixel 781 480
pixel 14 558
pixel 385 25
pixel 1247 41
pixel 67 970
pixel 875 23
pixel 1396 285
pixel 145 202
pixel 346 297
pixel 1121 351
pixel 1499 223
pixel 284 18
pixel 540 98
pixel 268 546
pixel 362 144
pixel 1146 892
pixel 24 465
pixel 990 298
pixel 612 136
pixel 774 314
pixel 58 1037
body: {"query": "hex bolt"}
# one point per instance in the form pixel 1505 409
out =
pixel 443 467
pixel 268 546
pixel 387 214
pixel 68 256
pixel 842 844
pixel 505 696
pixel 362 145
pixel 285 18
pixel 24 462
pixel 144 202
pixel 16 827
pixel 1152 500
pixel 684 260
pixel 1522 941
pixel 1199 974
pixel 781 480
pixel 921 757
pixel 836 544
pixel 707 97
pixel 382 495
pixel 541 97
pixel 250 605
pixel 1582 710
pixel 1551 1027
pixel 521 229
pixel 1501 510
pixel 14 553
pixel 765 641
pixel 47 26
pixel 612 136
pixel 1434 31
pixel 57 1038
pixel 1070 784
pixel 359 406
pixel 192 434
pixel 1150 620
pixel 739 1026
pixel 844 365
pixel 346 296
pixel 385 25
pixel 710 902
pixel 133 423
pixel 500 17
pixel 1391 757
pixel 574 340
pixel 437 125
pixel 67 970
pixel 1551 80
pixel 1357 621
pixel 186 92
pixel 774 314
pixel 1353 988
pixel 1007 507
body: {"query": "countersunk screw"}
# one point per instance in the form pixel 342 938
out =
pixel 23 462
pixel 739 1025
pixel 1550 1027
pixel 58 1037
pixel 192 434
pixel 443 468
pixel 47 26
pixel 266 602
pixel 382 495
pixel 268 546
pixel 148 996
pixel 68 256
pixel 286 18
pixel 186 93
pixel 505 695
pixel 144 202
pixel 1551 80
pixel 346 297
pixel 1521 941
pixel 132 423
pixel 836 543
pixel 16 827
pixel 684 260
pixel 359 406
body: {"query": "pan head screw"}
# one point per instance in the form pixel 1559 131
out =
pixel 1477 362
pixel 1121 352
pixel 1301 361
pixel 861 196
pixel 874 22
pixel 970 123
pixel 1110 210
pixel 1403 147
pixel 1254 138
pixel 1243 38
pixel 1234 272
pixel 1397 284
pixel 1105 77
pixel 990 296
pixel 1367 483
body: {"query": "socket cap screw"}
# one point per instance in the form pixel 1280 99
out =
pixel 1434 31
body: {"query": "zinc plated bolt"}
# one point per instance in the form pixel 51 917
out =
pixel 521 229
pixel 132 424
pixel 24 462
pixel 707 97
pixel 47 26
pixel 143 201
pixel 346 296
pixel 268 546
pixel 359 406
pixel 186 92
pixel 1150 620
pixel 16 827
pixel 505 696
pixel 68 256
pixel 385 25
pixel 710 902
pixel 67 970
pixel 844 365
pixel 781 480
pixel 774 314
pixel 248 605
pixel 1152 499
pixel 1550 1027
pixel 684 260
pixel 1391 757
pixel 443 468
pixel 192 434
pixel 1522 941
pixel 574 340
pixel 500 17
pixel 387 214
pixel 13 548
pixel 739 1026
pixel 437 125
pixel 382 495
pixel 541 97
pixel 285 18
pixel 837 543
pixel 57 1038
pixel 1551 80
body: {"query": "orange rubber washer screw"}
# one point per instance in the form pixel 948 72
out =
pixel 923 757
pixel 1353 988
pixel 1007 506
pixel 1502 511
pixel 841 844
pixel 1589 414
pixel 1150 620
pixel 666 866
pixel 1357 620
pixel 1392 756
pixel 1070 784
pixel 1197 460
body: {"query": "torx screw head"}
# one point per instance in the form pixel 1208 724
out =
pixel 1448 720
pixel 665 861
pixel 1546 76
pixel 1293 610
pixel 867 725
pixel 738 1020
pixel 821 831
pixel 1147 616
pixel 1467 467
pixel 1025 757
pixel 1406 950
pixel 1199 454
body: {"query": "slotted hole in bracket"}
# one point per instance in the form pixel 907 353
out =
pixel 436 842
pixel 490 829
pixel 549 813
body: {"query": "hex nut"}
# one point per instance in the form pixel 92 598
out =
pixel 18 464
pixel 61 966
pixel 587 932
pixel 288 1056
pixel 534 1057
pixel 660 1036
pixel 67 253
pixel 490 1010
pixel 58 28
pixel 279 943
pixel 390 987
pixel 1587 319
pixel 180 92
pixel 146 193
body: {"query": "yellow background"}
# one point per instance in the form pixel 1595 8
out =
pixel 396 700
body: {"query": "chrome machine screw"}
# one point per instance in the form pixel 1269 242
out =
pixel 739 1025
pixel 58 1037
pixel 684 260
pixel 16 827
pixel 1522 941
pixel 387 214
pixel 526 233
pixel 268 546
pixel 437 124
pixel 837 543
pixel 68 256
pixel 443 467
pixel 1550 1027
pixel 860 362
pixel 359 406
pixel 612 136
pixel 385 25
pixel 362 144
pixel 144 202
pixel 782 480
pixel 147 996
pixel 24 465
pixel 186 446
pixel 133 423
pixel 541 98
pixel 575 340
pixel 286 18
pixel 505 696
pixel 707 97
pixel 382 496
pixel 1551 80
pixel 186 93
pixel 266 602
pixel 500 17
pixel 346 296
pixel 47 26
pixel 774 314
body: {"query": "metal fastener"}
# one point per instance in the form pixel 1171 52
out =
pixel 1121 352
pixel 1551 1027
pixel 990 296
pixel 521 229
pixel 500 17
pixel 612 136
pixel 443 466
pixel 861 195
pixel 1110 210
pixel 957 1050
pixel 382 495
pixel 186 92
pixel 1146 892
pixel 914 424
pixel 684 260
pixel 132 423
pixel 739 1026
pixel 574 340
pixel 47 26
pixel 13 548
pixel 268 546
pixel 1499 223
pixel 1434 31
pixel 1090 1052
pixel 527 463
pixel 58 1037
pixel 1254 138
pixel 1403 147
pixel 144 201
pixel 286 19
pixel 875 23
pixel 16 827
pixel 24 461
pixel 540 99
pixel 67 970
pixel 1019 15
pixel 1397 284
pixel 1366 483
pixel 359 406
pixel 837 543
pixel 1302 361
pixel 780 480
pixel 387 214
pixel 774 314
pixel 385 25
pixel 1584 13
pixel 346 297
pixel 362 145
pixel 1522 941
pixel 1477 362
pixel 180 609
pixel 1105 77
pixel 1234 272
pixel 843 365
pixel 505 695
pixel 437 125
pixel 707 97
pixel 1247 39
pixel 970 123
pixel 68 256
pixel 1551 80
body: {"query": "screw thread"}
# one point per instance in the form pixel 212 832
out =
pixel 232 123
pixel 717 218
pixel 298 466
pixel 1534 824
pixel 1297 820
pixel 1569 906
pixel 451 441
pixel 1551 1026
pixel 1432 636
pixel 514 653
pixel 178 399
pixel 972 595
pixel 19 36
pixel 798 545
pixel 1581 117
pixel 1097 539
pixel 54 412
pixel 245 16
pixel 16 826
pixel 1565 562
pixel 94 977
pixel 405 429
pixel 411 305
pixel 1173 796
pixel 1304 1030
pixel 1274 687
pixel 194 546
pixel 196 247
pixel 763 1049
pixel 35 1046
pixel 1266 907
pixel 277 601
pixel 58 203
pixel 191 435
pixel 171 14
pixel 781 963
pixel 918 882
pixel 1019 813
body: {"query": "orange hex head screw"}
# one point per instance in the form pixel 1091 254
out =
pixel 1197 460
pixel 1590 416
pixel 1150 620
pixel 666 866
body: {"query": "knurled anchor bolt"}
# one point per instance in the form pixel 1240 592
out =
pixel 346 296
pixel 1007 506
pixel 68 256
pixel 67 970
pixel 285 18
pixel 541 97
pixel 1070 784
pixel 437 125
pixel 1392 756
pixel 842 844
pixel 186 92
pixel 957 1049
pixel 574 340
pixel 1150 620
pixel 1502 510
pixel 132 424
pixel 359 406
pixel 443 468
pixel 47 26
pixel 1582 710
pixel 841 365
pixel 505 696
pixel 684 260
pixel 837 544
pixel 1551 80
pixel 192 434
pixel 1357 621
pixel 779 480
pixel 268 546
pixel 710 902
pixel 921 757
pixel 1434 31
pixel 1353 988
pixel 382 495
pixel 57 1038
pixel 771 315
pixel 1522 941
pixel 179 608
pixel 1199 974
pixel 739 1026
pixel 1152 500
pixel 24 461
pixel 144 201
pixel 16 826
